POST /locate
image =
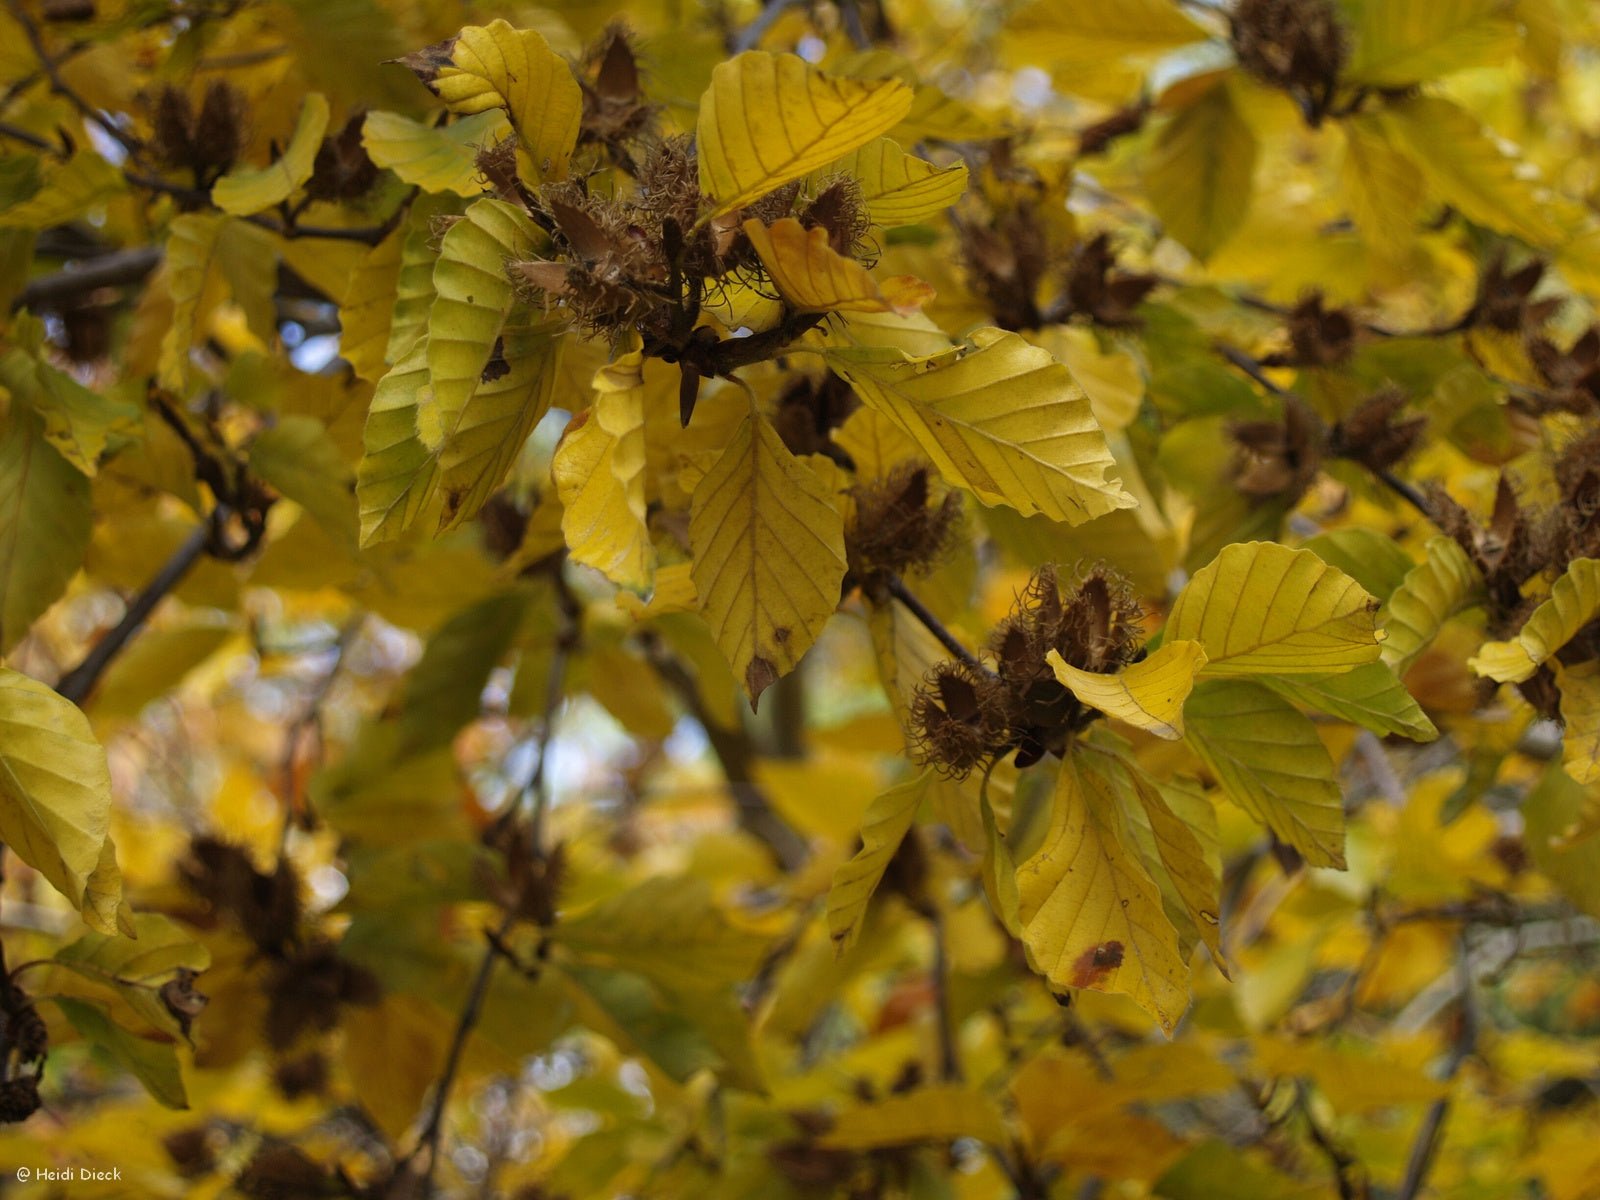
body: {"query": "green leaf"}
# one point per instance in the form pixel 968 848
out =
pixel 154 1064
pixel 1382 186
pixel 300 461
pixel 156 663
pixel 397 473
pixel 81 424
pixel 1372 559
pixel 45 521
pixel 1370 696
pixel 1263 609
pixel 67 192
pixel 475 457
pixel 1574 602
pixel 246 190
pixel 1201 172
pixel 137 966
pixel 1402 42
pixel 474 298
pixel 444 690
pixel 1271 763
pixel 366 310
pixel 768 547
pixel 768 119
pixel 1090 913
pixel 55 787
pixel 899 189
pixel 998 417
pixel 413 290
pixel 190 250
pixel 497 66
pixel 668 929
pixel 884 826
pixel 1433 591
pixel 441 158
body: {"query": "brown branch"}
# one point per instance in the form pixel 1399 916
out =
pixel 28 138
pixel 65 90
pixel 920 611
pixel 737 755
pixel 1430 1133
pixel 115 269
pixel 77 683
pixel 1349 1176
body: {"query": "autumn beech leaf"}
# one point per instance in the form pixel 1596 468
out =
pixel 888 819
pixel 1259 608
pixel 1148 694
pixel 1574 602
pixel 505 406
pixel 55 786
pixel 46 518
pixel 497 66
pixel 1405 42
pixel 1371 696
pixel 1090 31
pixel 1199 174
pixel 1580 741
pixel 397 473
pixel 1193 873
pixel 768 119
pixel 998 417
pixel 473 299
pixel 1090 914
pixel 812 277
pixel 366 309
pixel 1432 592
pixel 1271 763
pixel 599 474
pixel 136 966
pixel 413 289
pixel 246 190
pixel 191 252
pixel 441 158
pixel 768 545
pixel 898 188
pixel 930 1114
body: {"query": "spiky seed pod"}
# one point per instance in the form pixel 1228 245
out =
pixel 958 719
pixel 27 1034
pixel 173 128
pixel 775 205
pixel 1297 45
pixel 1374 434
pixel 219 127
pixel 342 170
pixel 1318 336
pixel 899 527
pixel 1098 290
pixel 1278 458
pixel 1101 627
pixel 840 209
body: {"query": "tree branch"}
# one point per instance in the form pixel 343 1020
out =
pixel 77 683
pixel 62 88
pixel 1429 1134
pixel 115 269
pixel 920 611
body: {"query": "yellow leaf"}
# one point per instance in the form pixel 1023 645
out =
pixel 1091 916
pixel 1201 171
pixel 367 307
pixel 1259 608
pixel 812 277
pixel 190 253
pixel 1431 593
pixel 599 474
pixel 1580 743
pixel 1402 42
pixel 1113 381
pixel 1382 187
pixel 1468 169
pixel 899 188
pixel 497 66
pixel 103 907
pixel 1271 763
pixel 434 158
pixel 397 472
pixel 930 1114
pixel 246 190
pixel 1148 695
pixel 391 1052
pixel 1090 31
pixel 55 787
pixel 1574 602
pixel 474 298
pixel 476 455
pixel 885 826
pixel 768 547
pixel 673 592
pixel 998 417
pixel 767 119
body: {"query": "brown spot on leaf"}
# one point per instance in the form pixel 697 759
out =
pixel 758 677
pixel 1095 964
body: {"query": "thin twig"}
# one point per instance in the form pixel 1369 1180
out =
pixel 1429 1134
pixel 949 1060
pixel 948 640
pixel 1348 1174
pixel 62 88
pixel 115 269
pixel 77 683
